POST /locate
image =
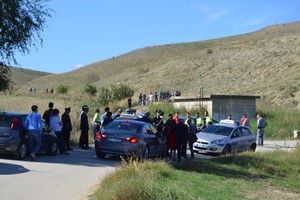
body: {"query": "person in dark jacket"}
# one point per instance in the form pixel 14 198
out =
pixel 67 128
pixel 48 113
pixel 107 119
pixel 84 127
pixel 181 139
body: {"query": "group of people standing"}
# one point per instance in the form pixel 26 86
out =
pixel 62 128
pixel 179 132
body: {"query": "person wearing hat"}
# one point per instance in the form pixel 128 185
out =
pixel 84 127
pixel 56 126
pixel 158 121
pixel 67 127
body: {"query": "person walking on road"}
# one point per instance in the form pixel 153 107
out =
pixel 261 124
pixel 33 125
pixel 67 128
pixel 84 127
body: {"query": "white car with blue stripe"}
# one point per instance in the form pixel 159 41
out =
pixel 225 137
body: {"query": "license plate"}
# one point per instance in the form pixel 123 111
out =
pixel 114 140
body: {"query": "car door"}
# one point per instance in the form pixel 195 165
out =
pixel 236 143
pixel 247 138
pixel 151 139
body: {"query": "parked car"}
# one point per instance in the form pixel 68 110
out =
pixel 14 139
pixel 130 138
pixel 225 137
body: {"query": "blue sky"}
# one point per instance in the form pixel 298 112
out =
pixel 82 32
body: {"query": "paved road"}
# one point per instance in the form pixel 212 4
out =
pixel 60 177
pixel 65 177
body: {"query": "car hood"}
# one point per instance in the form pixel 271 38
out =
pixel 209 137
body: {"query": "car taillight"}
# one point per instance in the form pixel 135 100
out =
pixel 132 139
pixel 99 136
pixel 15 123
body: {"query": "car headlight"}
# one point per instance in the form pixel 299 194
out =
pixel 216 141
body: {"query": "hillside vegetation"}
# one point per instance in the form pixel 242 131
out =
pixel 265 63
pixel 21 76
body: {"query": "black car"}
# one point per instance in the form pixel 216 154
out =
pixel 130 138
pixel 14 139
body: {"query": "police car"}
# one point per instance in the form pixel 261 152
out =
pixel 225 137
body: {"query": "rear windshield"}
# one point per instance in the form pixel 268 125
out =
pixel 5 121
pixel 124 126
pixel 219 130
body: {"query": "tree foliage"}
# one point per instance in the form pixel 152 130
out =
pixel 21 24
pixel 90 89
pixel 62 89
pixel 114 93
pixel 5 81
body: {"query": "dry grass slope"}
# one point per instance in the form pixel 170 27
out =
pixel 265 63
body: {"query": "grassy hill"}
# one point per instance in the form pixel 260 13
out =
pixel 265 63
pixel 21 76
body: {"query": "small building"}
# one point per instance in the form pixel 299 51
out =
pixel 219 106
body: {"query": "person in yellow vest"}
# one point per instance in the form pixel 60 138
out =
pixel 206 120
pixel 198 122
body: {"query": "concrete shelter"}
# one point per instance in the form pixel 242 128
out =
pixel 219 106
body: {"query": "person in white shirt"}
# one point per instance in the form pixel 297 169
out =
pixel 56 126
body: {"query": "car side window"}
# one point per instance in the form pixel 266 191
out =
pixel 237 133
pixel 153 129
pixel 245 131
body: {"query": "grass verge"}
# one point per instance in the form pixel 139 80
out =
pixel 271 175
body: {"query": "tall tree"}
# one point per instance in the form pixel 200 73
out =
pixel 21 23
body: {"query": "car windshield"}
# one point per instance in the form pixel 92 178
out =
pixel 124 126
pixel 219 130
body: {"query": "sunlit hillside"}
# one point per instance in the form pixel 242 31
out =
pixel 265 63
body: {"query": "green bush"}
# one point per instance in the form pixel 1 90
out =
pixel 90 89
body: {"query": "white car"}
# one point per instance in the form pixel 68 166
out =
pixel 225 137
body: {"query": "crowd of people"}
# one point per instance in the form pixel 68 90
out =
pixel 161 96
pixel 179 131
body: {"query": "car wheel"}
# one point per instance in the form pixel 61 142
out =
pixel 226 150
pixel 252 147
pixel 146 153
pixel 100 154
pixel 21 151
pixel 53 149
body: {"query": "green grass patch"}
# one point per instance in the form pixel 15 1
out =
pixel 275 175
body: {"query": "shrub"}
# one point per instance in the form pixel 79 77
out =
pixel 90 89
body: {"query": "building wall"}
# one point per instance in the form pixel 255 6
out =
pixel 194 105
pixel 237 107
pixel 219 106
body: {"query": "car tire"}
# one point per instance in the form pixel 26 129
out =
pixel 146 153
pixel 252 148
pixel 226 150
pixel 22 150
pixel 100 154
pixel 53 148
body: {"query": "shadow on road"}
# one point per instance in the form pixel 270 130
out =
pixel 76 157
pixel 9 169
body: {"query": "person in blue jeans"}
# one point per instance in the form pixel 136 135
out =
pixel 33 125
